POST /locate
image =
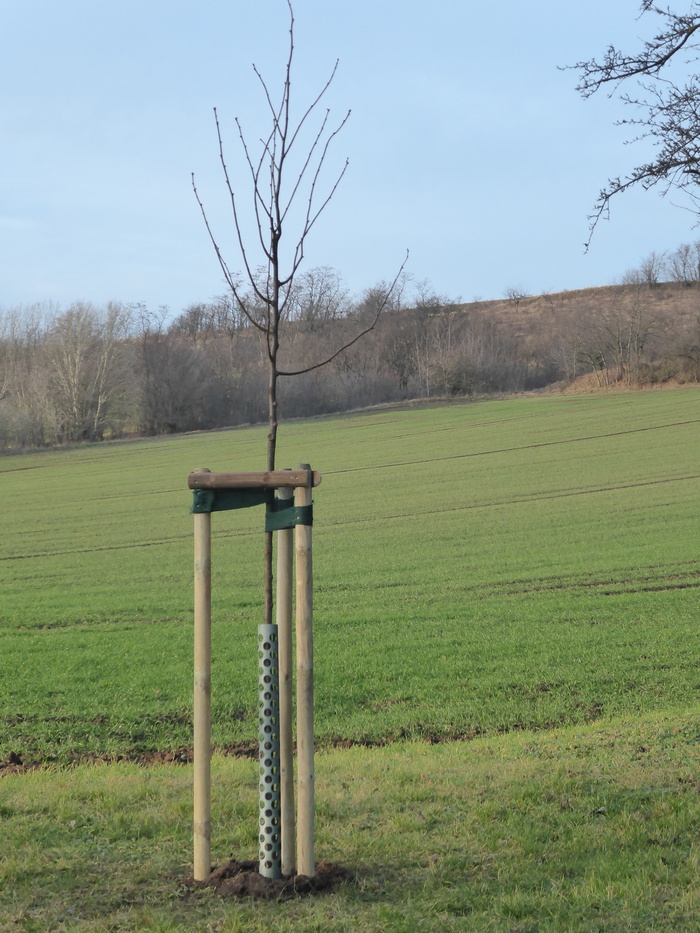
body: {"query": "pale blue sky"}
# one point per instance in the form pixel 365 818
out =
pixel 466 144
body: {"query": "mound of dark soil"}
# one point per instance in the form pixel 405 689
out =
pixel 15 764
pixel 242 879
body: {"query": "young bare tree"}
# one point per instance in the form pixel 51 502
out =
pixel 659 82
pixel 286 185
pixel 516 294
pixel 683 264
pixel 649 272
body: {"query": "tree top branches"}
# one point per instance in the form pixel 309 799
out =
pixel 666 98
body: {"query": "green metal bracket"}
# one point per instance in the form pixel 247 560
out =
pixel 222 500
pixel 283 514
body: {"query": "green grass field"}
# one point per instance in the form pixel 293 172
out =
pixel 512 570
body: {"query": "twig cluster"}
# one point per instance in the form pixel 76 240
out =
pixel 668 106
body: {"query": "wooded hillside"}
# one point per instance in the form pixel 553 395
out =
pixel 87 373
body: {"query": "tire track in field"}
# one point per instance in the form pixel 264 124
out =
pixel 98 548
pixel 682 576
pixel 646 582
pixel 518 501
pixel 507 450
pixel 365 520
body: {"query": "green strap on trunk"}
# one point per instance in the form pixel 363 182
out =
pixel 281 514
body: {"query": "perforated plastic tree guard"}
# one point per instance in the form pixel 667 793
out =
pixel 269 752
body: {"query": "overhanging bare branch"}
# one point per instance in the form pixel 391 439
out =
pixel 668 109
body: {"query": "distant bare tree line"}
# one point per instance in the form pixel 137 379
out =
pixel 681 266
pixel 88 373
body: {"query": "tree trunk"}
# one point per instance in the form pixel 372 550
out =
pixel 273 342
pixel 271 450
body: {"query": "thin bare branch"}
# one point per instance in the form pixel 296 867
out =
pixel 258 202
pixel 311 215
pixel 302 172
pixel 299 250
pixel 346 346
pixel 319 167
pixel 234 207
pixel 656 53
pixel 277 114
pixel 312 106
pixel 230 280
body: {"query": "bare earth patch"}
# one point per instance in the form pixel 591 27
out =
pixel 242 879
pixel 19 763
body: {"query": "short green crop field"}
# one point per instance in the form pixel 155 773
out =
pixel 479 568
pixel 507 598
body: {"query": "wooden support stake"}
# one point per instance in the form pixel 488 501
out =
pixel 306 864
pixel 202 696
pixel 285 554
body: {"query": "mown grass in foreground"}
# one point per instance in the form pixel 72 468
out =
pixel 585 829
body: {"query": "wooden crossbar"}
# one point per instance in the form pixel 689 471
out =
pixel 272 479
